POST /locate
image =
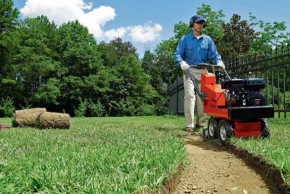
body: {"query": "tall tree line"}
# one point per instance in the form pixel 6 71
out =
pixel 65 69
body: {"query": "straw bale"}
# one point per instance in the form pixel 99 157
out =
pixel 53 120
pixel 27 117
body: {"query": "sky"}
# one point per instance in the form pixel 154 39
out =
pixel 145 23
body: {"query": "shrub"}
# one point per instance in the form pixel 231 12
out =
pixel 96 109
pixel 82 109
pixel 6 107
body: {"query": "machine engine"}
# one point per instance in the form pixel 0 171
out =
pixel 244 92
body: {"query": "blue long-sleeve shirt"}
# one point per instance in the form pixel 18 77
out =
pixel 194 51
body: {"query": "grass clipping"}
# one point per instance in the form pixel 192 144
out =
pixel 52 120
pixel 27 117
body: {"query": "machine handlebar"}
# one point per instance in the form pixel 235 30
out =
pixel 215 69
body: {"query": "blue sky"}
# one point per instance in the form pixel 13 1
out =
pixel 145 23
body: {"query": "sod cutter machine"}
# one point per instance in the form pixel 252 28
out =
pixel 236 107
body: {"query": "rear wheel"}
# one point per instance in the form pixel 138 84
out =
pixel 204 134
pixel 224 132
pixel 265 131
pixel 212 128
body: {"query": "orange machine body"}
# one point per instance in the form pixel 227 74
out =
pixel 215 106
pixel 214 102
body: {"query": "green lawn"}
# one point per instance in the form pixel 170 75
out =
pixel 111 155
pixel 97 155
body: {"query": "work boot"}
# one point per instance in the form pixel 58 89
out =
pixel 189 129
pixel 198 126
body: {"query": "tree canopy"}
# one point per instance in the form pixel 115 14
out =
pixel 64 69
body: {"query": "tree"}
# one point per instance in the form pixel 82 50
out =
pixel 129 84
pixel 8 43
pixel 9 16
pixel 238 37
pixel 165 52
pixel 8 22
pixel 214 21
pixel 268 35
pixel 77 50
pixel 81 72
pixel 164 60
pixel 34 61
pixel 154 72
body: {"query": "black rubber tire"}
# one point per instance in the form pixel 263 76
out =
pixel 212 128
pixel 224 132
pixel 265 131
pixel 204 134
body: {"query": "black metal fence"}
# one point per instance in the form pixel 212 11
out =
pixel 273 66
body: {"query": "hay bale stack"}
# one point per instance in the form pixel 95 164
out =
pixel 52 120
pixel 27 117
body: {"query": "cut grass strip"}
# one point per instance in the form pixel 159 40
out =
pixel 274 150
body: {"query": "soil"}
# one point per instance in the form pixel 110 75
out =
pixel 214 169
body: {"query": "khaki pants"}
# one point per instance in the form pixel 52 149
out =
pixel 190 98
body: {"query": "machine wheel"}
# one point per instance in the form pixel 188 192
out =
pixel 205 135
pixel 212 128
pixel 265 131
pixel 224 132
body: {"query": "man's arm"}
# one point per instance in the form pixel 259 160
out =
pixel 213 55
pixel 179 52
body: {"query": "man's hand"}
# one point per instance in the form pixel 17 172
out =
pixel 184 66
pixel 221 64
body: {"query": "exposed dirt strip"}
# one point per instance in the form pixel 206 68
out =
pixel 216 169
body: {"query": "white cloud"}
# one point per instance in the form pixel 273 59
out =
pixel 115 33
pixel 145 33
pixel 59 11
pixel 139 34
pixel 62 11
pixel 96 19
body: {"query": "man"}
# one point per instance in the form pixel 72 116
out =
pixel 192 49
